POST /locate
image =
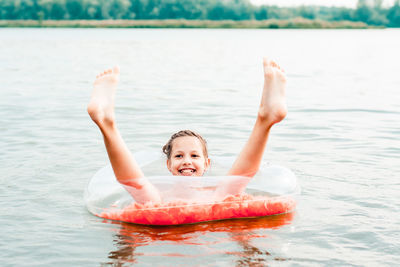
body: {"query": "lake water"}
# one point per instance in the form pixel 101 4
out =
pixel 341 138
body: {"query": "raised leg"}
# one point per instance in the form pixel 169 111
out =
pixel 272 110
pixel 126 169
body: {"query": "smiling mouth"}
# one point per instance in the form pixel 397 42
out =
pixel 187 172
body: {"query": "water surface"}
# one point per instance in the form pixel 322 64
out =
pixel 341 138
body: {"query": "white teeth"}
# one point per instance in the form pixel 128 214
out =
pixel 187 171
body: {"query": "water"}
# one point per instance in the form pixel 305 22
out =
pixel 341 138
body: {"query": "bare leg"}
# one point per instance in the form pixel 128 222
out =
pixel 101 110
pixel 272 110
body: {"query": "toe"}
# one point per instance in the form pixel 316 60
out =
pixel 280 68
pixel 115 70
pixel 273 64
pixel 265 61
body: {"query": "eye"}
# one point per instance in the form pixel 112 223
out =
pixel 195 156
pixel 178 156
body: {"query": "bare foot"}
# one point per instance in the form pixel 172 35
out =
pixel 101 105
pixel 273 103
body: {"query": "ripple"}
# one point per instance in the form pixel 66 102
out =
pixel 378 111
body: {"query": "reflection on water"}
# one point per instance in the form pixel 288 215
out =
pixel 131 237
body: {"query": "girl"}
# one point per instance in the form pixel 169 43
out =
pixel 186 150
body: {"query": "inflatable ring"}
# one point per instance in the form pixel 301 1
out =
pixel 194 199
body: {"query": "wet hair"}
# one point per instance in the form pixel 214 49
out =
pixel 167 149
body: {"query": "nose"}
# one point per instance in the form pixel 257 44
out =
pixel 187 160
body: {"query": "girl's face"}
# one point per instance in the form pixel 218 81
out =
pixel 187 157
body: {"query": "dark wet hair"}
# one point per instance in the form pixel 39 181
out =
pixel 167 149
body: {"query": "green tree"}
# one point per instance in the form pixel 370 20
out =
pixel 25 9
pixel 92 9
pixel 7 9
pixel 369 11
pixel 280 13
pixel 115 9
pixel 58 10
pixel 337 14
pixel 169 9
pixel 393 15
pixel 307 12
pixel 75 9
pixel 261 13
pixel 369 14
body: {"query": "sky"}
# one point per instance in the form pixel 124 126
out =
pixel 342 3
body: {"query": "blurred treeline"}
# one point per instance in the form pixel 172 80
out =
pixel 369 11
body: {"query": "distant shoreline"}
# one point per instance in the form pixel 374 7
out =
pixel 296 23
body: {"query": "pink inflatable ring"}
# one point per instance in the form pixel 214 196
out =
pixel 195 199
